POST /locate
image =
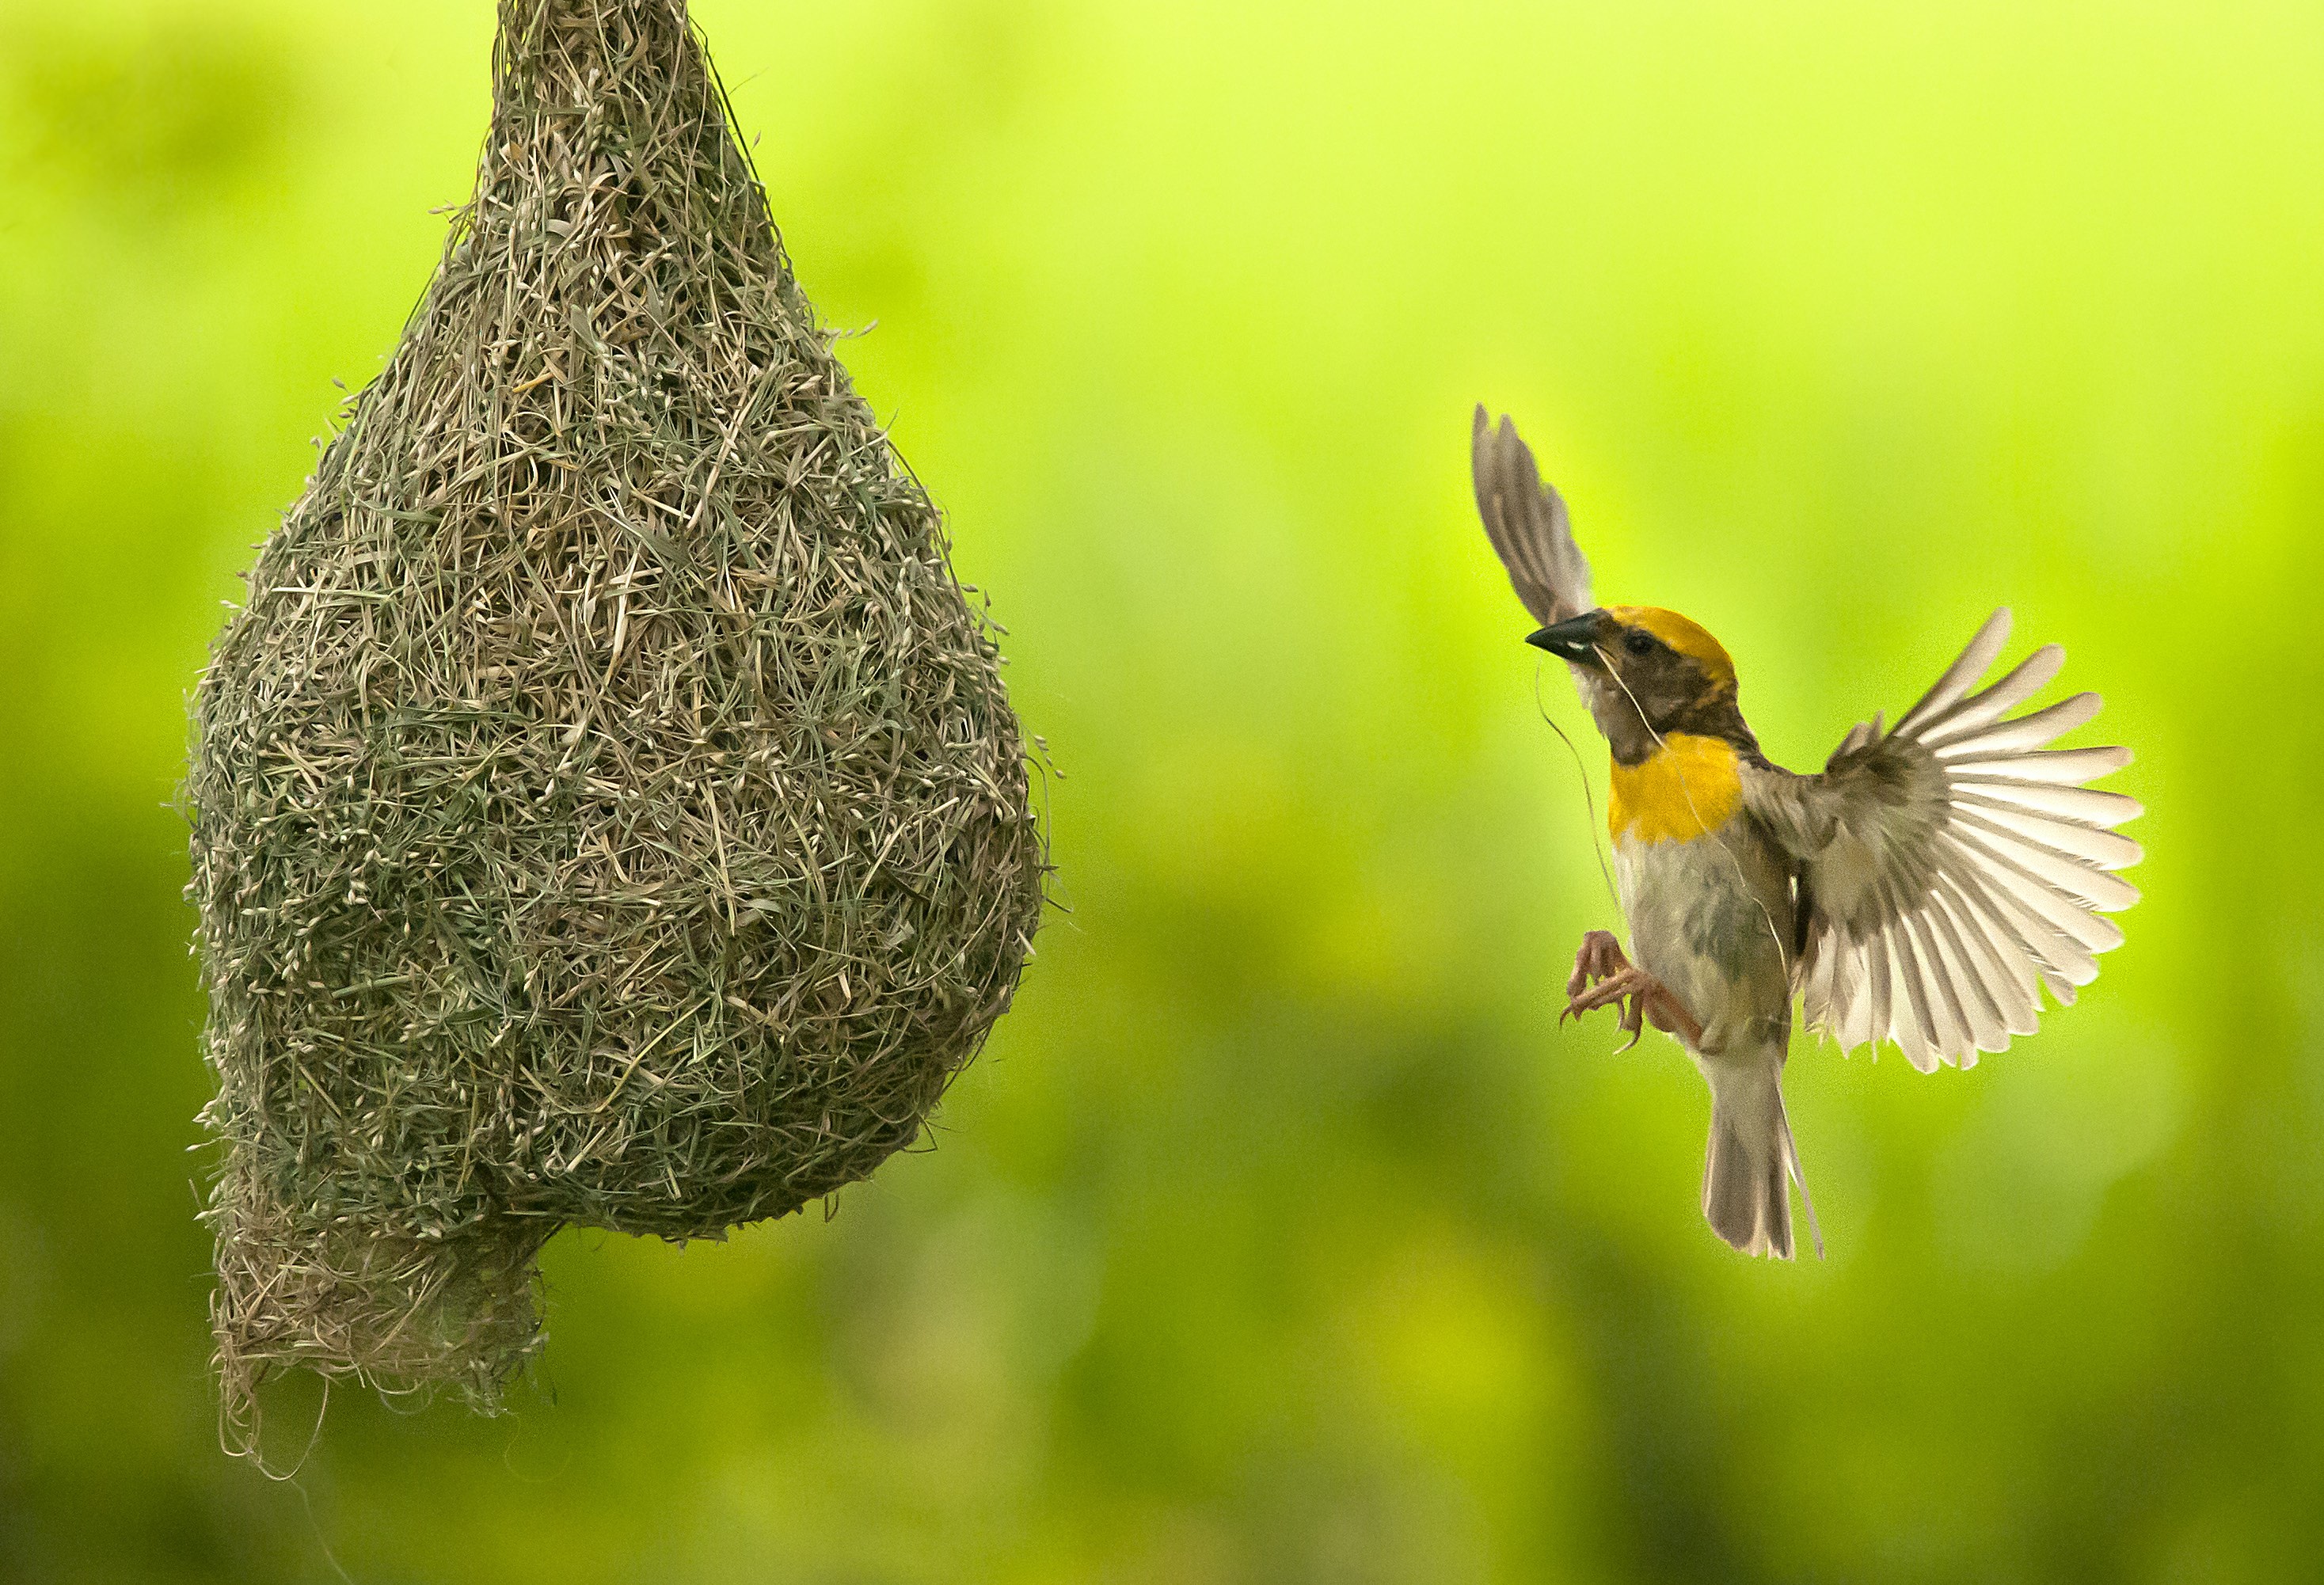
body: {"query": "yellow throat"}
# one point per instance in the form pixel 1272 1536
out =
pixel 1688 787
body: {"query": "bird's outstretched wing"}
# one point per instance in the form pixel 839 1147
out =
pixel 1526 523
pixel 1950 866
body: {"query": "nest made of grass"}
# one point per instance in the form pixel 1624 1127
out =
pixel 607 808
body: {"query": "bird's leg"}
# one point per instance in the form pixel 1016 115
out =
pixel 1643 998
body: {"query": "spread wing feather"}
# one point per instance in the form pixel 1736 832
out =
pixel 1526 522
pixel 1954 866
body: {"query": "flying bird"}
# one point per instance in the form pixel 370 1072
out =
pixel 1923 890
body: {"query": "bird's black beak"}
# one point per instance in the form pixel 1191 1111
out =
pixel 1574 638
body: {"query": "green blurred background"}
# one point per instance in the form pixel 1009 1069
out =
pixel 1280 1234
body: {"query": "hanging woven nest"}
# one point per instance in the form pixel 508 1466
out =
pixel 606 810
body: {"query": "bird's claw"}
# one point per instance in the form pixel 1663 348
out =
pixel 1603 977
pixel 1600 955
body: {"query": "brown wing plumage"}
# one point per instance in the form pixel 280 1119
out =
pixel 1951 866
pixel 1526 522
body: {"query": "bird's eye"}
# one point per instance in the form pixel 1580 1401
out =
pixel 1638 643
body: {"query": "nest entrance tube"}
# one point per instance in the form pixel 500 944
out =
pixel 606 808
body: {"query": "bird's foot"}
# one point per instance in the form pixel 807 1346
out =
pixel 1603 977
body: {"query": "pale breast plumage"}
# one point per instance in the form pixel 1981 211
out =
pixel 1708 899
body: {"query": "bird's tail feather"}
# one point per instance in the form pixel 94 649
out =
pixel 1745 1197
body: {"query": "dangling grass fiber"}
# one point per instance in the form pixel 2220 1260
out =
pixel 605 807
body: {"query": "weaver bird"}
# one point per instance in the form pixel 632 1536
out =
pixel 1922 889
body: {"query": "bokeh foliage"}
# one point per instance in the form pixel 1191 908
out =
pixel 1279 1235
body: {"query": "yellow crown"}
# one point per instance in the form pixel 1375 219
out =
pixel 1682 634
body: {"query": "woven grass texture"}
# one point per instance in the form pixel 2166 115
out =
pixel 606 808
